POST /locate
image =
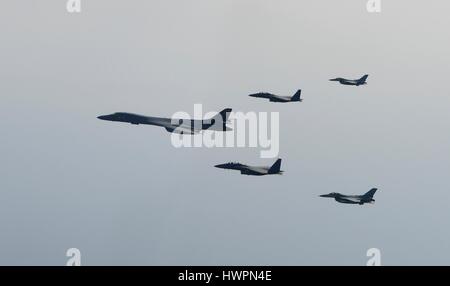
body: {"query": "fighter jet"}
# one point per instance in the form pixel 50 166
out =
pixel 357 82
pixel 367 198
pixel 279 98
pixel 180 126
pixel 253 170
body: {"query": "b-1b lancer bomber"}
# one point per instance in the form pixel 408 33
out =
pixel 279 98
pixel 180 126
pixel 253 170
pixel 367 198
pixel 357 82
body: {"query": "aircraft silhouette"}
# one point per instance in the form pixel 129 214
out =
pixel 357 82
pixel 367 198
pixel 279 98
pixel 253 170
pixel 181 126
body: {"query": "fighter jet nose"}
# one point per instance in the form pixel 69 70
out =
pixel 102 117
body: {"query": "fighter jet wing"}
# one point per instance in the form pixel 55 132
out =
pixel 352 199
pixel 253 171
pixel 279 98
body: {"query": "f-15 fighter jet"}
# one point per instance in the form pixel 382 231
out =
pixel 253 170
pixel 357 82
pixel 279 98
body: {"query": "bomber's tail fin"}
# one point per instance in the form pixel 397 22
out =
pixel 219 121
pixel 275 167
pixel 296 96
pixel 370 194
pixel 223 115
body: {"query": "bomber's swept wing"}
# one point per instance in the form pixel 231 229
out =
pixel 181 129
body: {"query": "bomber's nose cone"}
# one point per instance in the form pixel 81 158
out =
pixel 102 117
pixel 326 196
pixel 252 95
pixel 221 166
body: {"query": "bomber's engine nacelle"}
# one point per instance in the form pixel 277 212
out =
pixel 181 130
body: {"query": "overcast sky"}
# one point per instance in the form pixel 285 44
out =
pixel 123 195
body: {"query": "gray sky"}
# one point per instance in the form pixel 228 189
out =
pixel 124 196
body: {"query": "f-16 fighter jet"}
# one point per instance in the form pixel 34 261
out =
pixel 367 198
pixel 279 98
pixel 357 82
pixel 253 170
pixel 180 126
